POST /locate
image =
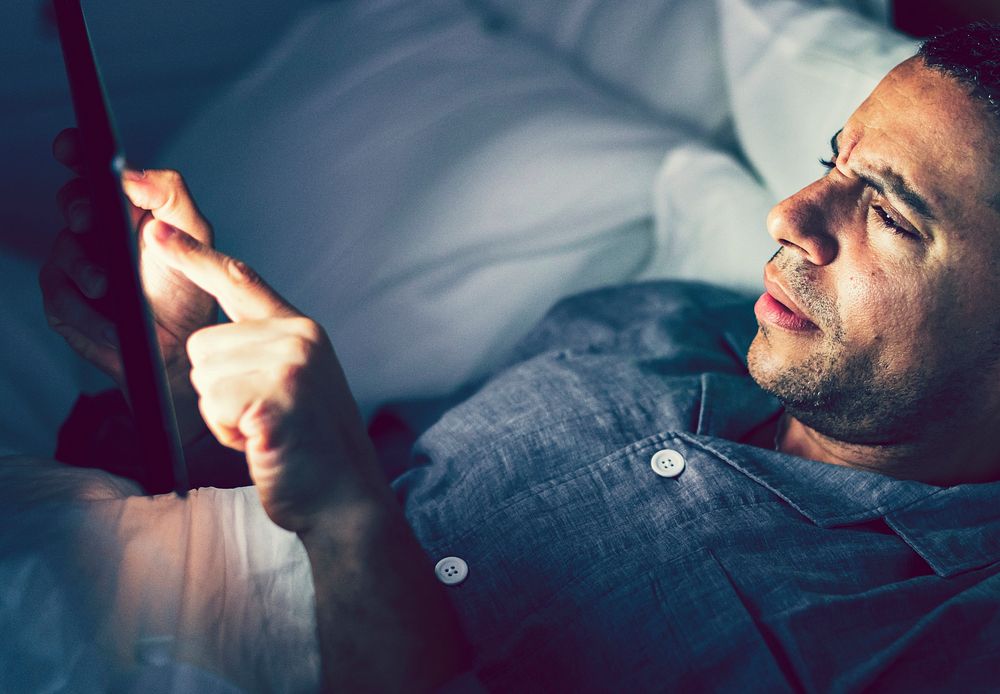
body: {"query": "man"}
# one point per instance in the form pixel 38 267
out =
pixel 625 508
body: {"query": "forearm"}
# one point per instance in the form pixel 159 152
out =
pixel 270 385
pixel 385 623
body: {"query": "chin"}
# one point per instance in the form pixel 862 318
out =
pixel 762 363
pixel 843 398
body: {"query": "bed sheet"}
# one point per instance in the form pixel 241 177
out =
pixel 105 590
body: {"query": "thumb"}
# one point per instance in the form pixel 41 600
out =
pixel 240 291
pixel 164 195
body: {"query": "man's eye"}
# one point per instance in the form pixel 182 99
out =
pixel 890 223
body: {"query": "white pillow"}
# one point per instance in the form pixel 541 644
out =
pixel 796 71
pixel 665 53
pixel 710 213
pixel 424 189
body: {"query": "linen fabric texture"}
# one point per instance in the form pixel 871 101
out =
pixel 752 568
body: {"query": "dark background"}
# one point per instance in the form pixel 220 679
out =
pixel 161 59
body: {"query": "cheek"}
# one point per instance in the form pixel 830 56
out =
pixel 884 312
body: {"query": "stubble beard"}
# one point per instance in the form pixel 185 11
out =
pixel 850 396
pixel 835 396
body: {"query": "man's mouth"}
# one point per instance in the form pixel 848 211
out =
pixel 776 307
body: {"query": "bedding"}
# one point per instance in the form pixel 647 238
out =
pixel 794 74
pixel 667 55
pixel 443 184
pixel 105 590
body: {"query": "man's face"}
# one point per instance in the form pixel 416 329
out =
pixel 888 264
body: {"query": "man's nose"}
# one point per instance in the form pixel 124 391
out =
pixel 802 223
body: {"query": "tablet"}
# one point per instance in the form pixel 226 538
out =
pixel 113 243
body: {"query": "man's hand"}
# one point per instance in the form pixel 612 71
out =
pixel 70 279
pixel 270 385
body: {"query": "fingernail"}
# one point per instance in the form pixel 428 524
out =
pixel 134 174
pixel 110 335
pixel 79 216
pixel 164 232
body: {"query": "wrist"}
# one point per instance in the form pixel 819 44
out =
pixel 349 526
pixel 384 620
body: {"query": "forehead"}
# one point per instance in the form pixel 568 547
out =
pixel 924 125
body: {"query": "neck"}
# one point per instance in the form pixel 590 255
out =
pixel 959 457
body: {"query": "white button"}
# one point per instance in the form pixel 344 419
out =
pixel 667 463
pixel 451 570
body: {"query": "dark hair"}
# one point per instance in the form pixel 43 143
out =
pixel 969 54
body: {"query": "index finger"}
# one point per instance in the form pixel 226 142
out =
pixel 241 293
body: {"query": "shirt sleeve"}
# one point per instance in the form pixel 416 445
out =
pixel 100 433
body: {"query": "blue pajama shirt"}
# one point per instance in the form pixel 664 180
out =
pixel 602 524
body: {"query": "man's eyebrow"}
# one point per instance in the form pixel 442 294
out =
pixel 886 181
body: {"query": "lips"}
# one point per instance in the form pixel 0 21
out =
pixel 777 308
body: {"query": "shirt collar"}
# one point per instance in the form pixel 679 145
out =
pixel 955 529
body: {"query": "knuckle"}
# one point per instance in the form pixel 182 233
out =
pixel 210 411
pixel 309 329
pixel 185 242
pixel 242 273
pixel 199 345
pixel 198 377
pixel 296 351
pixel 173 177
pixel 169 178
pixel 193 348
pixel 170 204
pixel 288 376
pixel 172 185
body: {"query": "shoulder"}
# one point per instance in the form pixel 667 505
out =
pixel 647 318
pixel 607 368
pixel 603 371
